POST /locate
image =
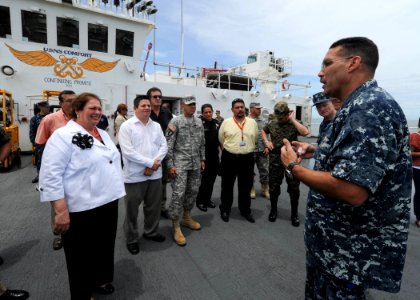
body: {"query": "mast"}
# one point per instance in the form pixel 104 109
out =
pixel 182 39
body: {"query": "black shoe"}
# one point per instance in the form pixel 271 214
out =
pixel 14 294
pixel 202 207
pixel 35 180
pixel 273 215
pixel 157 237
pixel 211 204
pixel 164 214
pixel 1 261
pixel 107 289
pixel 57 243
pixel 133 248
pixel 249 217
pixel 295 221
pixel 225 216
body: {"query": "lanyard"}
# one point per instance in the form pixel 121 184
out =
pixel 241 127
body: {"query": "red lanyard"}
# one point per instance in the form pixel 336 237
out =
pixel 241 127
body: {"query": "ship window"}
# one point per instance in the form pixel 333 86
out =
pixel 34 27
pixel 98 38
pixel 124 42
pixel 67 32
pixel 251 59
pixel 4 21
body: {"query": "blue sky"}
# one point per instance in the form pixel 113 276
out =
pixel 302 30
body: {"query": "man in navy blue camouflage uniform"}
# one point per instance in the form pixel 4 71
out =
pixel 359 204
pixel 44 109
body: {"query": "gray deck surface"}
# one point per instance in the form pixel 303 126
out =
pixel 235 260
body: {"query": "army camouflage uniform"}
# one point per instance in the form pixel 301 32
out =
pixel 185 151
pixel 260 159
pixel 33 127
pixel 279 131
pixel 360 247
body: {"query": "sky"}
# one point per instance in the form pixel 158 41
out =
pixel 226 31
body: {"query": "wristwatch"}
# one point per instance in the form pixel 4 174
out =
pixel 289 169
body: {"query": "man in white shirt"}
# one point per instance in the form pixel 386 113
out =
pixel 143 147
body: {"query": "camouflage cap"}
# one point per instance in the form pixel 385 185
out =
pixel 281 108
pixel 255 104
pixel 189 100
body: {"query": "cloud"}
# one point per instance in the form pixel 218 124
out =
pixel 301 30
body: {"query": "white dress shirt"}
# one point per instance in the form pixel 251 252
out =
pixel 85 178
pixel 141 145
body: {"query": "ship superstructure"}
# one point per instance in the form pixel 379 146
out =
pixel 86 45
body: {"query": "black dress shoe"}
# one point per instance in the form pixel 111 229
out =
pixel 249 217
pixel 225 216
pixel 107 289
pixel 273 215
pixel 133 248
pixel 202 207
pixel 211 204
pixel 57 243
pixel 157 237
pixel 295 221
pixel 164 214
pixel 35 180
pixel 14 294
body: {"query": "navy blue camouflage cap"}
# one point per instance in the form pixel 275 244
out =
pixel 319 98
pixel 43 104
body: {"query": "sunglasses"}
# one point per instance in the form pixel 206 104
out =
pixel 155 97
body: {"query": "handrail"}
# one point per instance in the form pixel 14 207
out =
pixel 109 8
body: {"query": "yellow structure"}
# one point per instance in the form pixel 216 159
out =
pixel 7 121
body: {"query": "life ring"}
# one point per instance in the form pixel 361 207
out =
pixel 285 85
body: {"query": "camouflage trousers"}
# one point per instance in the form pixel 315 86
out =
pixel 322 286
pixel 276 175
pixel 261 161
pixel 184 192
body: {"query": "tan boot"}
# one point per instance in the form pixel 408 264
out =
pixel 179 238
pixel 188 221
pixel 264 191
pixel 253 195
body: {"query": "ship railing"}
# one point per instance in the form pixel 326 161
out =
pixel 109 7
pixel 282 65
pixel 221 80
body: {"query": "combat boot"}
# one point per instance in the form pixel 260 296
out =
pixel 179 238
pixel 189 222
pixel 252 194
pixel 264 191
